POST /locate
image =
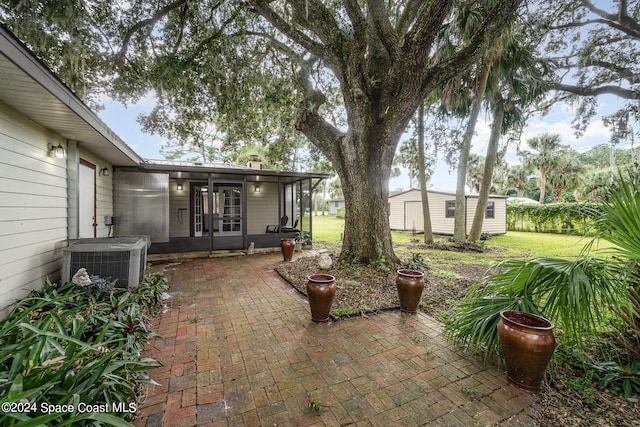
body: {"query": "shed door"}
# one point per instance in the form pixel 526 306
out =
pixel 87 200
pixel 413 218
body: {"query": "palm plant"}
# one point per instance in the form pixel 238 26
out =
pixel 579 294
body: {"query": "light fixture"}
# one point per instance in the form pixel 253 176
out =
pixel 179 186
pixel 58 151
pixel 105 171
pixel 257 188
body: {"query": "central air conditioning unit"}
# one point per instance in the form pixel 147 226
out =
pixel 120 259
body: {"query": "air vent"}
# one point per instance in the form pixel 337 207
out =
pixel 121 258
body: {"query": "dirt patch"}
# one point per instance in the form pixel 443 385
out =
pixel 567 398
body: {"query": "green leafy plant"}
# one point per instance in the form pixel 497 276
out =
pixel 315 407
pixel 304 237
pixel 417 262
pixel 576 293
pixel 620 379
pixel 67 346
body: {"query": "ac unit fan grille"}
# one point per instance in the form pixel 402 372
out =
pixel 108 265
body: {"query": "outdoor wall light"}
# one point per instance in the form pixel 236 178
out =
pixel 105 171
pixel 257 188
pixel 58 151
pixel 179 186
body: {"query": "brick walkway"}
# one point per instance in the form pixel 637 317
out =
pixel 239 348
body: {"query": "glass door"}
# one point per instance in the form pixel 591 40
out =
pixel 231 210
pixel 198 211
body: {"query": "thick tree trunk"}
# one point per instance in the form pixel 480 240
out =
pixel 460 220
pixel 365 184
pixel 422 177
pixel 489 166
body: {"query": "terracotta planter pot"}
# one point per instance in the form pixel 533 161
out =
pixel 287 245
pixel 321 288
pixel 410 284
pixel 527 345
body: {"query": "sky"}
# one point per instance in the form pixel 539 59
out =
pixel 122 120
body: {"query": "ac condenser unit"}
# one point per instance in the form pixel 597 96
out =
pixel 120 258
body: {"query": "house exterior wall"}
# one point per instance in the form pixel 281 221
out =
pixel 262 207
pixel 406 213
pixel 33 207
pixel 179 211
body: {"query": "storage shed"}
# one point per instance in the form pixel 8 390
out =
pixel 405 212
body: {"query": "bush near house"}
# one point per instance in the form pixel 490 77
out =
pixel 70 355
pixel 561 218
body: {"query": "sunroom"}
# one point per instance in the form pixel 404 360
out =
pixel 193 207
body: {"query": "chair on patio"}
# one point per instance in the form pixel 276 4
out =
pixel 293 229
pixel 276 228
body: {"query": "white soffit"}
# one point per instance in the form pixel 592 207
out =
pixel 27 86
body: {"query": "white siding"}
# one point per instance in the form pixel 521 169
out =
pixel 396 208
pixel 262 207
pixel 440 224
pixel 179 219
pixel 33 207
pixel 406 211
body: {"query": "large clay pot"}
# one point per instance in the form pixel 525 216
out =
pixel 321 289
pixel 527 345
pixel 410 284
pixel 287 245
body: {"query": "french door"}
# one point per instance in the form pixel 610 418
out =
pixel 230 203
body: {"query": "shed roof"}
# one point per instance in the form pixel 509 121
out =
pixel 447 193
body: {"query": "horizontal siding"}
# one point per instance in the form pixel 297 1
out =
pixel 179 213
pixel 33 207
pixel 440 224
pixel 262 207
pixel 396 208
pixel 406 210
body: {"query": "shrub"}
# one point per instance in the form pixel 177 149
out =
pixel 564 218
pixel 64 348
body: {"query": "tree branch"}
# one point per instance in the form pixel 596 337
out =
pixel 408 16
pixel 384 29
pixel 417 41
pixel 145 23
pixel 612 24
pixel 602 90
pixel 263 9
pixel 322 22
pixel 320 132
pixel 358 20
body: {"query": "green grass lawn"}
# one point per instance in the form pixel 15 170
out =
pixel 328 229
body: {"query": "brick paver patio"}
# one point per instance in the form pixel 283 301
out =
pixel 239 348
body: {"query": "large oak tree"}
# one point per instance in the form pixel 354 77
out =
pixel 348 74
